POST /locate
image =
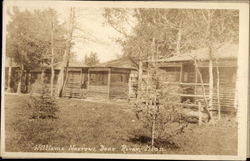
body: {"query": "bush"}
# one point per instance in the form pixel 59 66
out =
pixel 42 106
pixel 159 112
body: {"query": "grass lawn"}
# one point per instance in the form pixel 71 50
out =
pixel 84 126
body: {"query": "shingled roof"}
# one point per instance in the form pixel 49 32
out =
pixel 124 62
pixel 225 51
pixel 72 64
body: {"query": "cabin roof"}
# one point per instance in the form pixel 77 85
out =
pixel 125 63
pixel 72 65
pixel 225 51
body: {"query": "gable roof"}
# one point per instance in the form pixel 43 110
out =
pixel 225 51
pixel 124 62
pixel 71 64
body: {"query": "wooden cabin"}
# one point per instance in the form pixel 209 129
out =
pixel 11 72
pixel 180 71
pixel 113 79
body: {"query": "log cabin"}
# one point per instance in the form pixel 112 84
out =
pixel 115 79
pixel 180 71
pixel 11 73
pixel 111 80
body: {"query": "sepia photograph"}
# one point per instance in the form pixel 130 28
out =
pixel 124 80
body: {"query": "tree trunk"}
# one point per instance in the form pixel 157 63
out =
pixel 218 89
pixel 9 77
pixel 61 80
pixel 211 86
pixel 139 79
pixel 42 76
pixel 29 82
pixel 211 78
pixel 178 40
pixel 52 79
pixel 66 77
pixel 52 61
pixel 20 80
pixel 204 91
pixel 154 89
pixel 153 131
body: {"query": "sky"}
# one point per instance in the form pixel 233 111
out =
pixel 91 21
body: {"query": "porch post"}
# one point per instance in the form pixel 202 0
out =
pixel 196 81
pixel 9 77
pixel 88 79
pixel 181 74
pixel 129 84
pixel 109 74
pixel 236 90
pixel 42 76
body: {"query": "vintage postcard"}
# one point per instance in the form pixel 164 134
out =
pixel 131 80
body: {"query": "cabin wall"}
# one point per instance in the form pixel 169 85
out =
pixel 227 88
pixel 190 84
pixel 34 77
pixel 73 84
pixel 82 83
pixel 15 75
pixel 171 74
pixel 133 84
pixel 119 87
pixel 188 73
pixel 98 84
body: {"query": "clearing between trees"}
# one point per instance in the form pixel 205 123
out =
pixel 86 127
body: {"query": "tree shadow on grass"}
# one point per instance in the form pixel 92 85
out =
pixel 159 143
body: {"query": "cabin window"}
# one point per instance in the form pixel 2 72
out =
pixel 205 75
pixel 228 75
pixel 119 78
pixel 47 78
pixel 98 78
pixel 170 74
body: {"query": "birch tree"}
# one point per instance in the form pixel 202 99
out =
pixel 75 32
pixel 52 58
pixel 23 45
pixel 30 39
pixel 217 33
pixel 52 32
pixel 69 38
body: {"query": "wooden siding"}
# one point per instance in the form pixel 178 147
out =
pixel 193 91
pixel 123 82
pixel 227 89
pixel 133 84
pixel 97 91
pixel 119 87
pixel 73 84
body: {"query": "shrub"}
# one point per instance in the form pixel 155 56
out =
pixel 159 111
pixel 42 106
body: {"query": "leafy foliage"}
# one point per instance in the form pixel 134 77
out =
pixel 172 29
pixel 42 106
pixel 92 59
pixel 28 36
pixel 159 112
